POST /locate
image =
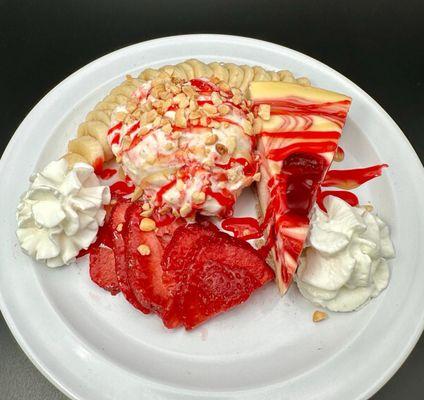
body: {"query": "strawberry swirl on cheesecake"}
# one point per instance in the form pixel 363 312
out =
pixel 186 145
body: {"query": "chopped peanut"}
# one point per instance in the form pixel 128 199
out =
pixel 198 197
pixel 223 109
pixel 147 225
pixel 211 139
pixel 221 149
pixel 319 316
pixel 136 194
pixel 119 227
pixel 209 109
pixel 185 210
pixel 143 249
pixel 180 119
pixel 216 99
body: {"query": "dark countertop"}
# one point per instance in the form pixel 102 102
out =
pixel 377 44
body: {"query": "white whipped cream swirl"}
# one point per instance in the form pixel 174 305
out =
pixel 61 212
pixel 345 262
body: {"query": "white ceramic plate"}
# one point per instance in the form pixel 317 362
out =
pixel 93 346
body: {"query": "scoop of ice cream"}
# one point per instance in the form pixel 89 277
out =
pixel 186 144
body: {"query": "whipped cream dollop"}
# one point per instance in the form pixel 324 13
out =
pixel 187 144
pixel 61 212
pixel 344 264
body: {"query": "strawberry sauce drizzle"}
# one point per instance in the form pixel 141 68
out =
pixel 348 197
pixel 245 228
pixel 121 188
pixel 163 190
pixel 334 111
pixel 107 173
pixel 352 178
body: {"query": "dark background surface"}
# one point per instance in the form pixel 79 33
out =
pixel 377 44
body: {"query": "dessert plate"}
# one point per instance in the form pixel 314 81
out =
pixel 93 346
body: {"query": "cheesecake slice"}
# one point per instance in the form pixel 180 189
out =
pixel 298 139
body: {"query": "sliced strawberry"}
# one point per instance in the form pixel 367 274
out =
pixel 144 271
pixel 208 272
pixel 121 268
pixel 102 269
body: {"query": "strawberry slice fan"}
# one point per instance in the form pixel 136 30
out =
pixel 297 145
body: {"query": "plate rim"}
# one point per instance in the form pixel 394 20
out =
pixel 26 347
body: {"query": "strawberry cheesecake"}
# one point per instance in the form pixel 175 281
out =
pixel 297 143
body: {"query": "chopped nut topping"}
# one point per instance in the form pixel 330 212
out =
pixel 185 210
pixel 189 91
pixel 216 99
pixel 221 149
pixel 209 109
pixel 145 206
pixel 184 103
pixel 165 95
pixel 195 114
pixel 113 202
pixel 157 121
pixel 198 197
pixel 369 207
pixel 176 135
pixel 143 249
pixel 247 127
pixel 148 117
pixel 119 227
pixel 204 120
pixel 147 213
pixel 318 316
pixel 193 105
pixel 147 225
pixel 167 129
pixel 169 146
pixel 237 99
pixel 179 97
pixel 157 89
pixel 165 210
pixel 211 139
pixel 214 124
pixel 223 109
pixel 264 111
pixel 180 119
pixel 175 89
pixel 136 194
pixel 338 156
pixel 257 177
